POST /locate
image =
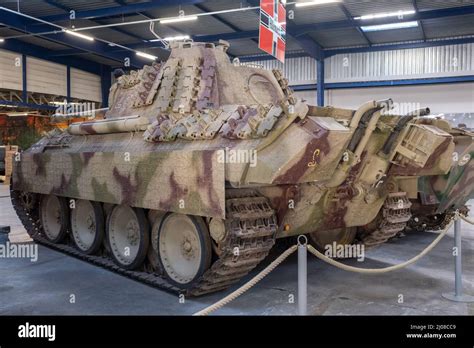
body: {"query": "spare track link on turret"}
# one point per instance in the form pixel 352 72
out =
pixel 251 225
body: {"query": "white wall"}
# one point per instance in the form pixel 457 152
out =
pixel 85 85
pixel 10 72
pixel 414 63
pixel 442 98
pixel 404 64
pixel 45 77
pixel 311 97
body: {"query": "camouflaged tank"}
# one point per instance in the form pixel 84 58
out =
pixel 201 164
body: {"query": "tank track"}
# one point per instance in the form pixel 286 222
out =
pixel 439 224
pixel 431 223
pixel 392 220
pixel 251 228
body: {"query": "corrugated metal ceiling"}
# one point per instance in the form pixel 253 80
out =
pixel 248 20
pixel 339 37
pixel 365 7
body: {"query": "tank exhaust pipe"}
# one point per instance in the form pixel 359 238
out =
pixel 419 112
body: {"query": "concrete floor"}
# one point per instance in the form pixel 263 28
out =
pixel 45 286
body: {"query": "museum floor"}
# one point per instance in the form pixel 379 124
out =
pixel 46 286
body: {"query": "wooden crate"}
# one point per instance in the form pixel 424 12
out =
pixel 10 152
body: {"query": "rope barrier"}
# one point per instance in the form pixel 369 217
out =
pixel 345 267
pixel 249 284
pixel 466 219
pixel 330 261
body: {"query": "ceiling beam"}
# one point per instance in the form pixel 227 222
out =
pixel 223 20
pixel 401 46
pixel 299 32
pixel 351 18
pixel 56 4
pixel 385 47
pixel 23 24
pixel 415 6
pixel 121 10
pixel 422 15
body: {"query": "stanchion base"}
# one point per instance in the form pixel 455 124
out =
pixel 463 298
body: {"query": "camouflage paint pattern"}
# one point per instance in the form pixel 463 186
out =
pixel 175 119
pixel 183 182
pixel 454 189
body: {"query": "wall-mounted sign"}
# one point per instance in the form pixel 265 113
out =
pixel 272 29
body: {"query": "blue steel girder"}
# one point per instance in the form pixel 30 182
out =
pixel 430 14
pixel 391 47
pixel 141 45
pixel 56 4
pixel 320 82
pixel 24 89
pixel 29 105
pixel 300 29
pixel 351 18
pixel 387 83
pixel 121 10
pixel 116 29
pixel 222 20
pixel 18 22
pixel 386 47
pixel 415 6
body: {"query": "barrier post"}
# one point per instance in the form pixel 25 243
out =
pixel 458 296
pixel 4 231
pixel 302 276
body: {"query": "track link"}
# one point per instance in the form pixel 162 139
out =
pixel 251 228
pixel 393 219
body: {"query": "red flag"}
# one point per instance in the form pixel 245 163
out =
pixel 272 29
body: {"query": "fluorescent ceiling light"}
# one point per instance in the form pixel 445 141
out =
pixel 385 15
pixel 62 103
pixel 82 36
pixel 14 114
pixel 146 55
pixel 315 2
pixel 401 25
pixel 177 38
pixel 178 19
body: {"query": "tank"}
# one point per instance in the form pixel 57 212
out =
pixel 201 164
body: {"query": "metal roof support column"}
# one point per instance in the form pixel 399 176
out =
pixel 320 81
pixel 68 84
pixel 106 83
pixel 24 94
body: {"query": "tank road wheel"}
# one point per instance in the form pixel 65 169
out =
pixel 184 248
pixel 87 226
pixel 342 236
pixel 128 236
pixel 54 217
